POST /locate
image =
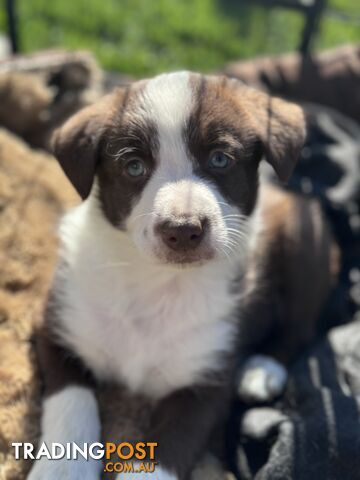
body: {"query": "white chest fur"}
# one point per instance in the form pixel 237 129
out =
pixel 155 328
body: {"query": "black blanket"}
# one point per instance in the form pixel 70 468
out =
pixel 313 431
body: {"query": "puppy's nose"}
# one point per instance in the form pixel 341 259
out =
pixel 182 236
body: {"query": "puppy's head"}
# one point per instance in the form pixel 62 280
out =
pixel 175 160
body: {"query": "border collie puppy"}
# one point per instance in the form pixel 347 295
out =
pixel 150 289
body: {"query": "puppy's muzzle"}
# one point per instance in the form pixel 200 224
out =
pixel 183 235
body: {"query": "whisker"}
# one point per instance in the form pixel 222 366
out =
pixel 235 230
pixel 235 240
pixel 231 243
pixel 224 203
pixel 222 250
pixel 235 221
pixel 237 233
pixel 236 224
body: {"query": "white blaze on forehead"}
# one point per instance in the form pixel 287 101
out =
pixel 168 101
pixel 174 190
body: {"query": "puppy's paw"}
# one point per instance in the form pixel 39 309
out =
pixel 261 379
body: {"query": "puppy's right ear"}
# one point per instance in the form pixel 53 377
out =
pixel 76 143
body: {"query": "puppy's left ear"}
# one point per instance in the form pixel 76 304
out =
pixel 280 125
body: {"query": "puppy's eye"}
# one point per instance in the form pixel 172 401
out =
pixel 219 160
pixel 135 168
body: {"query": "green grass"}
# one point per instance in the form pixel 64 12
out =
pixel 142 37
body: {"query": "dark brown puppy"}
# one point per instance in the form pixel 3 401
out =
pixel 168 266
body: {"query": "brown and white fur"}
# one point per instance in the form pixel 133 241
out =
pixel 153 286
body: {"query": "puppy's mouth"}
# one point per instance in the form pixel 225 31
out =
pixel 183 258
